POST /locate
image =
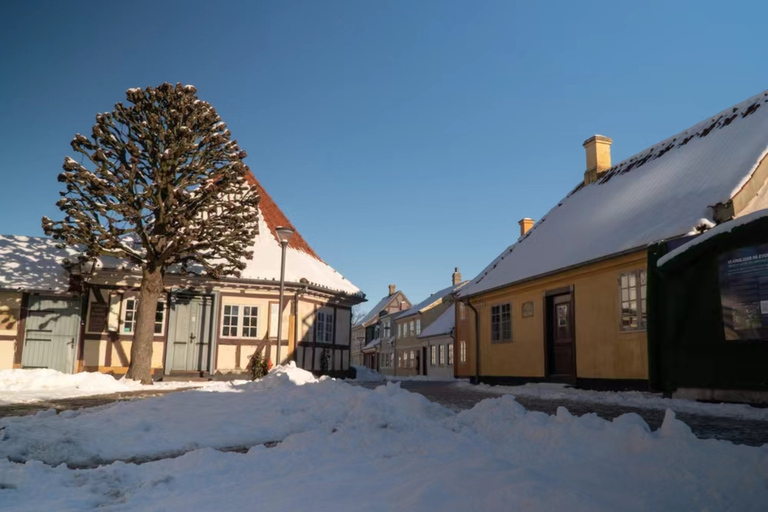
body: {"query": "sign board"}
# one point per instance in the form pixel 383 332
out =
pixel 527 309
pixel 744 292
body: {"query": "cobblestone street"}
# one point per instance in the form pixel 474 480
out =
pixel 455 397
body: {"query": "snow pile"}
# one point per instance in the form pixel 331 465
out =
pixel 638 399
pixel 28 386
pixel 345 447
pixel 364 374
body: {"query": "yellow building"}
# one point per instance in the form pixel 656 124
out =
pixel 567 301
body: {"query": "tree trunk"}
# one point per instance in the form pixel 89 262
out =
pixel 152 287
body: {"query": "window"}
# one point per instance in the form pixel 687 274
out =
pixel 450 354
pixel 386 328
pixel 433 355
pixel 501 322
pixel 399 330
pixel 240 322
pixel 399 359
pixel 632 289
pixel 413 357
pixel 442 355
pixel 462 311
pixel 418 326
pixel 130 313
pixel 463 352
pixel 412 328
pixel 325 326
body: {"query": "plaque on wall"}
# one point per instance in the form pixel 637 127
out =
pixel 527 309
pixel 744 293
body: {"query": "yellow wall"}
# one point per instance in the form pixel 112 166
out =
pixel 602 349
pixel 95 353
pixel 10 305
pixel 7 348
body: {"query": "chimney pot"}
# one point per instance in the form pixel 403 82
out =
pixel 392 289
pixel 456 276
pixel 598 149
pixel 525 225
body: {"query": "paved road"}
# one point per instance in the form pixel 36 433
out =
pixel 749 432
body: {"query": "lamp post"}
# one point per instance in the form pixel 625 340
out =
pixel 284 235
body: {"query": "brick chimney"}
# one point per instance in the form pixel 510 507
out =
pixel 456 276
pixel 598 149
pixel 525 225
pixel 392 289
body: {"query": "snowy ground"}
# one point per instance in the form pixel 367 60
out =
pixel 343 447
pixel 29 386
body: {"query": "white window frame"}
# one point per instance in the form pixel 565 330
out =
pixel 462 352
pixel 324 325
pixel 433 355
pixel 240 317
pixel 633 288
pixel 441 350
pixel 418 326
pixel 450 354
pixel 135 312
pixel 412 328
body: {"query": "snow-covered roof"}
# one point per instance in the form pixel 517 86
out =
pixel 33 264
pixel 301 261
pixel 442 325
pixel 660 193
pixel 725 227
pixel 373 314
pixel 432 299
pixel 372 344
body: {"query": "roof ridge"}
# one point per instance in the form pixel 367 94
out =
pixel 701 129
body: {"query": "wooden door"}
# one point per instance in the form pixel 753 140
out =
pixel 561 352
pixel 51 329
pixel 189 336
pixel 424 360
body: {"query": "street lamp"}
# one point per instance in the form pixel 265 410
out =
pixel 284 235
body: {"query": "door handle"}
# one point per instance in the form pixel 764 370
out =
pixel 192 337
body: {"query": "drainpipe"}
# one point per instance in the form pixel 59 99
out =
pixel 477 342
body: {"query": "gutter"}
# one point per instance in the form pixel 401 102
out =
pixel 566 269
pixel 477 342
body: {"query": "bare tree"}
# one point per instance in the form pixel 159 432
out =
pixel 161 184
pixel 358 313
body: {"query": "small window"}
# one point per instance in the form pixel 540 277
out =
pixel 230 321
pixel 250 322
pixel 442 355
pixel 413 357
pixel 130 314
pixel 325 326
pixel 463 352
pixel 501 322
pixel 412 328
pixel 433 355
pixel 450 354
pixel 632 295
pixel 418 326
pixel 462 311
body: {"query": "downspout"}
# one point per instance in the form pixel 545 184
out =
pixel 477 342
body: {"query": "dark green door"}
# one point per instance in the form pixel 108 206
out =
pixel 51 329
pixel 189 334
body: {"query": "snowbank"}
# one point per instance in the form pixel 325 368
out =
pixel 639 399
pixel 28 386
pixel 365 374
pixel 345 447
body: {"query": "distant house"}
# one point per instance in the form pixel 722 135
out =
pixel 409 353
pixel 439 340
pixel 368 331
pixel 82 318
pixel 567 300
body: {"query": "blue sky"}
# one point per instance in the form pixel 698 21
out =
pixel 402 138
